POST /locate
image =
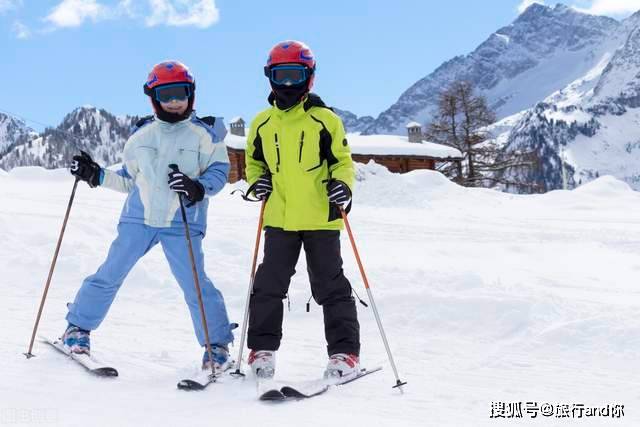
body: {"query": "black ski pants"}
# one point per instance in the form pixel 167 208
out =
pixel 329 287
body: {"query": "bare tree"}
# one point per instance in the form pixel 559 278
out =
pixel 461 122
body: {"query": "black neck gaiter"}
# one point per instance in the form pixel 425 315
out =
pixel 172 117
pixel 288 96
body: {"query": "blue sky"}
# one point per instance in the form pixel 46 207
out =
pixel 60 54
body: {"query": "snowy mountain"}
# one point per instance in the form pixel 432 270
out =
pixel 593 123
pixel 13 132
pixel 86 128
pixel 541 52
pixel 565 86
pixel 353 123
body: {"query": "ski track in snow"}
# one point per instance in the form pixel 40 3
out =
pixel 484 296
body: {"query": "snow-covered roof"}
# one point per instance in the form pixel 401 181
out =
pixel 236 119
pixel 235 141
pixel 413 125
pixel 399 145
pixel 380 145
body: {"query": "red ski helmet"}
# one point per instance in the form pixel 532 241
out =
pixel 292 52
pixel 168 72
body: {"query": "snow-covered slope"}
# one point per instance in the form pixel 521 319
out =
pixel 541 52
pixel 485 296
pixel 86 128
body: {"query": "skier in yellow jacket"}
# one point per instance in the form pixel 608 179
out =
pixel 298 159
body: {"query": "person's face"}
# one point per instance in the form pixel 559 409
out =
pixel 174 106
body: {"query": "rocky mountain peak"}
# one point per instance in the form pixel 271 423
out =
pixel 542 51
pixel 13 131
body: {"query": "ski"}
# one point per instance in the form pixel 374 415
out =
pixel 269 390
pixel 305 390
pixel 363 373
pixel 308 389
pixel 88 362
pixel 197 385
pixel 202 380
pixel 272 395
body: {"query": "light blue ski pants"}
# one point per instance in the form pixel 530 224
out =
pixel 98 291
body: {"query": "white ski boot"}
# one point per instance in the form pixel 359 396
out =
pixel 342 367
pixel 263 363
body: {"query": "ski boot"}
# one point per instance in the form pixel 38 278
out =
pixel 221 360
pixel 76 339
pixel 342 367
pixel 263 363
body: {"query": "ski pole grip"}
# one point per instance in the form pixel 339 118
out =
pixel 174 168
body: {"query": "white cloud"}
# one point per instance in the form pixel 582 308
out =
pixel 608 7
pixel 175 13
pixel 526 3
pixel 21 31
pixel 179 13
pixel 73 13
pixel 7 5
pixel 125 8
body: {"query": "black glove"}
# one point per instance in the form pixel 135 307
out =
pixel 180 183
pixel 263 186
pixel 84 168
pixel 339 193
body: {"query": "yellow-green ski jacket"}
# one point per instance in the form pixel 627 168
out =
pixel 302 148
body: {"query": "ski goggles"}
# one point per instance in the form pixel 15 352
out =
pixel 178 91
pixel 287 75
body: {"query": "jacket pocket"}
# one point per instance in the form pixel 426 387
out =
pixel 189 161
pixel 147 158
pixel 309 157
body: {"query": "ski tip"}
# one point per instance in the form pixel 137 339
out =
pixel 272 396
pixel 105 372
pixel 293 393
pixel 190 385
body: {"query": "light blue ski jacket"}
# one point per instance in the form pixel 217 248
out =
pixel 198 150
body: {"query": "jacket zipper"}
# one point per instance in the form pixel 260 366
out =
pixel 301 144
pixel 277 154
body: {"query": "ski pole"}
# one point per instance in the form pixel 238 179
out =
pixel 250 290
pixel 196 281
pixel 29 353
pixel 399 383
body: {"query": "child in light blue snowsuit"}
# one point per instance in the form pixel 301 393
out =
pixel 151 213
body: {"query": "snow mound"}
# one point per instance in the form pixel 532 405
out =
pixel 38 173
pixel 376 185
pixel 605 186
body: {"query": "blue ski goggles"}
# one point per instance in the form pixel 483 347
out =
pixel 167 93
pixel 287 75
